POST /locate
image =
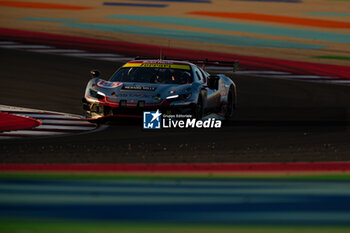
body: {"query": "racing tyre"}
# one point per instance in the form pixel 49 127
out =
pixel 198 109
pixel 231 105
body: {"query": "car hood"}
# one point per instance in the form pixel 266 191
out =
pixel 127 89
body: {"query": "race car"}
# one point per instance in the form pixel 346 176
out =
pixel 170 86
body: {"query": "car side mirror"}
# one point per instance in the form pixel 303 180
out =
pixel 95 73
pixel 213 82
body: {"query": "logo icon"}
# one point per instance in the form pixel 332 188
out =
pixel 107 84
pixel 151 120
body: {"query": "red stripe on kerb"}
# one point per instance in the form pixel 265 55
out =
pixel 32 112
pixel 276 19
pixel 41 5
pixel 226 167
pixel 9 122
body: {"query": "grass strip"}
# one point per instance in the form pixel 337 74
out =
pixel 56 226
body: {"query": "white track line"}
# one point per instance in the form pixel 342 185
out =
pixel 59 127
pixel 261 72
pixel 39 116
pixel 301 77
pixel 7 42
pixel 334 82
pixel 115 59
pixel 6 137
pixel 32 133
pixel 92 55
pixel 57 51
pixel 219 68
pixel 66 122
pixel 17 109
pixel 20 110
pixel 337 81
pixel 26 46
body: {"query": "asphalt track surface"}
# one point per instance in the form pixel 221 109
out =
pixel 276 120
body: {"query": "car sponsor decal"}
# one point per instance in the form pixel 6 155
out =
pixel 107 84
pixel 158 65
pixel 139 88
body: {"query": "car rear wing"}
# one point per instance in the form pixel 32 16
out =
pixel 207 62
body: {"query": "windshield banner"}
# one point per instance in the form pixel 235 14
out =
pixel 158 65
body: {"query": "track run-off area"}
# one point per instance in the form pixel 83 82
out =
pixel 265 197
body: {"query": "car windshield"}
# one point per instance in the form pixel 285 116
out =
pixel 152 75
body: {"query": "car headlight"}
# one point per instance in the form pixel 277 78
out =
pixel 178 97
pixel 172 97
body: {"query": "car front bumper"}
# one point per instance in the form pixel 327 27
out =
pixel 96 109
